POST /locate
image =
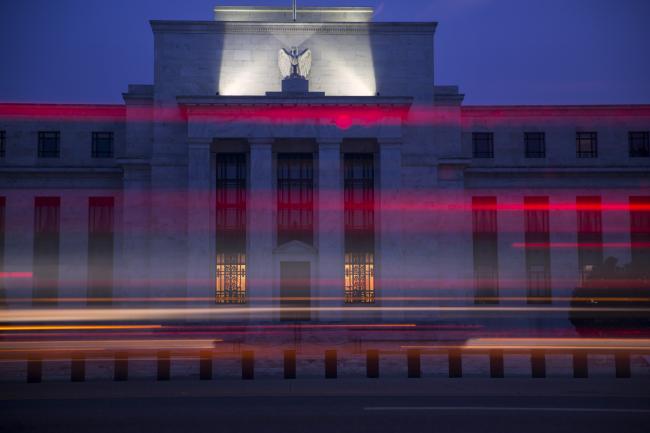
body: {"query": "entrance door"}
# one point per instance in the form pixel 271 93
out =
pixel 295 290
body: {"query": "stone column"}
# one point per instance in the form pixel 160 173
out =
pixel 260 227
pixel 200 260
pixel 330 227
pixel 132 235
pixel 389 269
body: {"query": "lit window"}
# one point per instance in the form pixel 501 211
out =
pixel 102 145
pixel 231 279
pixel 535 144
pixel 587 145
pixel 359 278
pixel 483 144
pixel 639 144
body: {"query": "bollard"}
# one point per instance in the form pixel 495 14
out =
pixel 330 364
pixel 34 369
pixel 455 363
pixel 622 362
pixel 413 363
pixel 248 365
pixel 205 365
pixel 580 365
pixel 372 364
pixel 77 367
pixel 164 365
pixel 289 364
pixel 121 372
pixel 538 363
pixel 496 363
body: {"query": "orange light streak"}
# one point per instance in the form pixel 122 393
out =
pixel 77 327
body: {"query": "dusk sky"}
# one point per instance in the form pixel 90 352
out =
pixel 497 51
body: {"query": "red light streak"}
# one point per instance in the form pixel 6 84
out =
pixel 16 275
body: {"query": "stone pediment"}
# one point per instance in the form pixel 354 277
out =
pixel 295 248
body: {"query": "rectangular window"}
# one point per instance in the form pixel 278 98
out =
pixel 587 145
pixel 231 229
pixel 100 248
pixel 231 278
pixel 3 293
pixel 590 234
pixel 535 143
pixel 295 198
pixel 639 144
pixel 49 144
pixel 538 258
pixel 640 235
pixel 3 144
pixel 483 145
pixel 359 216
pixel 102 145
pixel 46 249
pixel 485 246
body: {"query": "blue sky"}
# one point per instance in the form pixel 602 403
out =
pixel 497 51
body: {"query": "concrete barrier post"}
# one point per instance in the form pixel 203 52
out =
pixel 580 365
pixel 455 363
pixel 372 364
pixel 248 365
pixel 164 365
pixel 622 362
pixel 496 364
pixel 413 363
pixel 331 371
pixel 77 367
pixel 121 372
pixel 34 369
pixel 538 363
pixel 289 364
pixel 205 365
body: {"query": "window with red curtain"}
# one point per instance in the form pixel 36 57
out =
pixel 485 249
pixel 295 197
pixel 46 249
pixel 359 216
pixel 100 248
pixel 538 259
pixel 230 284
pixel 3 206
pixel 590 234
pixel 640 233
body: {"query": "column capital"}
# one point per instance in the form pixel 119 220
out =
pixel 390 141
pixel 329 143
pixel 199 142
pixel 261 141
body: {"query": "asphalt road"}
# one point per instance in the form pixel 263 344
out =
pixel 329 406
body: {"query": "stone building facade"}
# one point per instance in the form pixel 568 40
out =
pixel 376 194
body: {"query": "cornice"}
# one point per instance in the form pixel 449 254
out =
pixel 249 27
pixel 355 101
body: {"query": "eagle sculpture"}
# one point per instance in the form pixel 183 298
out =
pixel 294 64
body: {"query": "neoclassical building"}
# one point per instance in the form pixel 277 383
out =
pixel 338 176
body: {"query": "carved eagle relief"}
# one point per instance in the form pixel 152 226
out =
pixel 293 63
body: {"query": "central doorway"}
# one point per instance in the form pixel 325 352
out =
pixel 295 290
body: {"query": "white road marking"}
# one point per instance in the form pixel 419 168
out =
pixel 503 409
